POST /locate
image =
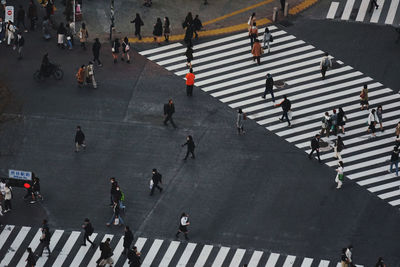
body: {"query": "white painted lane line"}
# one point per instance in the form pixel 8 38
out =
pixel 187 253
pixel 151 254
pixel 160 49
pixel 332 10
pixel 169 254
pixel 5 234
pixel 205 252
pixel 82 252
pixel 384 186
pixel 237 258
pixel 395 202
pixel 306 262
pixel 97 253
pixel 33 245
pixel 385 151
pixel 394 193
pixel 377 12
pixel 219 260
pixel 392 12
pixel 362 10
pixel 347 9
pixel 118 250
pixel 255 258
pixel 323 263
pixel 62 256
pixel 289 261
pixel 55 237
pixel 15 246
pixel 273 258
pixel 376 179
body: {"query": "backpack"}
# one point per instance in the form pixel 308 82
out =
pixel 271 39
pixel 90 229
pixel 326 62
pixel 122 196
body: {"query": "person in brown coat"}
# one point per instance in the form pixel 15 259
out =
pixel 364 97
pixel 256 51
pixel 80 76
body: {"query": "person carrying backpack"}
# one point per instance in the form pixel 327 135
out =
pixel 88 228
pixel 325 64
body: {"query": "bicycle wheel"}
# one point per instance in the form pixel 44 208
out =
pixel 58 74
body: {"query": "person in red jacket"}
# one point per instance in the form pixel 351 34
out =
pixel 189 82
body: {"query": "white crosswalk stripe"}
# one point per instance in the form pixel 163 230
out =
pixel 388 12
pixel 67 251
pixel 236 80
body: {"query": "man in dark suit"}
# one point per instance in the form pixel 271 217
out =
pixel 156 178
pixel 269 87
pixel 169 110
pixel 315 147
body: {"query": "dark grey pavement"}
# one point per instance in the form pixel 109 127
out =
pixel 252 191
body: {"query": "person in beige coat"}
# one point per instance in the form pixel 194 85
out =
pixel 83 35
pixel 256 51
pixel 89 74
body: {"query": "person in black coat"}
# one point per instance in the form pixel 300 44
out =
pixel 114 185
pixel 31 259
pixel 158 31
pixel 169 110
pixel 156 178
pixel 190 146
pixel 138 23
pixel 269 87
pixel 88 228
pixel 315 147
pixel 134 257
pixel 189 56
pixel 79 139
pixel 286 106
pixel 189 35
pixel 128 239
pixel 197 26
pixel 44 241
pixel 96 51
pixel 19 43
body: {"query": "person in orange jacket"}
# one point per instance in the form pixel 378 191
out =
pixel 189 82
pixel 256 51
pixel 80 75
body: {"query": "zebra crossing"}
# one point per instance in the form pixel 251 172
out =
pixel 224 69
pixel 66 250
pixel 387 13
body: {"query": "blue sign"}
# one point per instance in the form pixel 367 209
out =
pixel 21 175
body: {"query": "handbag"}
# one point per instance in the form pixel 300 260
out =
pixel 113 49
pixel 290 114
pixel 151 183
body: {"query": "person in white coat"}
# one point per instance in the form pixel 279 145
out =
pixel 339 175
pixel 11 29
pixel 372 120
pixel 266 39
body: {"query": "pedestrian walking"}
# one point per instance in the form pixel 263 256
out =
pixel 31 259
pixel 326 124
pixel 167 29
pixel 338 147
pixel 155 180
pixel 8 195
pixel 189 35
pixel 394 160
pixel 253 34
pixel 134 257
pixel 251 20
pixel 339 175
pixel 11 29
pixel 2 30
pixel 106 254
pixel 190 147
pixel 334 122
pixel 83 35
pixel 257 51
pixel 1 205
pixel 125 50
pixel 325 64
pixel 372 119
pixel 190 82
pixel 21 18
pixel 286 108
pixel 118 197
pixel 80 76
pixel 364 97
pixel 344 261
pixel 114 185
pixel 61 31
pixel 397 132
pixel 115 50
pixel 138 23
pixel 116 218
pixel 36 189
pixel 88 231
pixel 32 14
pixel 269 87
pixel 380 263
pixel 349 255
pixel 267 38
pixel 44 240
pixel 197 25
pixel 89 73
pixel 169 110
pixel 128 239
pixel 240 118
pixel 188 20
pixel 183 224
pixel 379 114
pixel 341 119
pixel 79 139
pixel 96 52
pixel 189 56
pixel 69 36
pixel 19 44
pixel 372 4
pixel 315 147
pixel 157 31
